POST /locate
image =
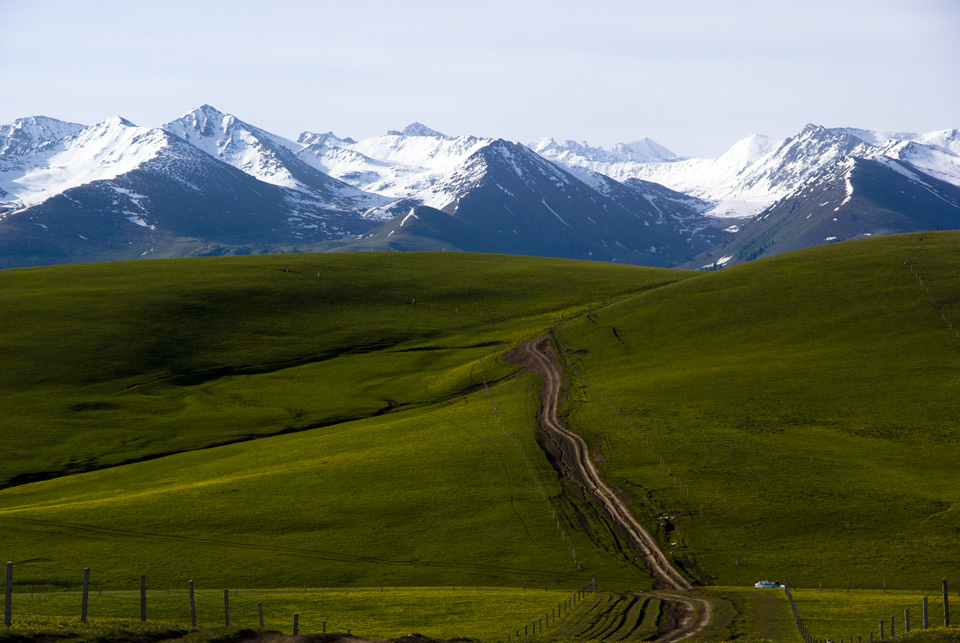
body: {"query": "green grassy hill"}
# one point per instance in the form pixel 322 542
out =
pixel 808 404
pixel 387 462
pixel 108 363
pixel 272 421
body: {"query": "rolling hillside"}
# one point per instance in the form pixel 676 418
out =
pixel 807 404
pixel 323 419
pixel 372 364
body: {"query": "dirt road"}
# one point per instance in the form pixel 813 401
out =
pixel 575 463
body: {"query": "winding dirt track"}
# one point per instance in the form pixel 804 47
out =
pixel 575 463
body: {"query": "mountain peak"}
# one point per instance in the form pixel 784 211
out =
pixel 33 133
pixel 416 129
pixel 115 121
pixel 642 150
pixel 207 110
pixel 323 138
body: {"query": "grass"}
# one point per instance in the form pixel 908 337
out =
pixel 428 496
pixel 118 362
pixel 835 613
pixel 807 404
pixel 749 614
pixel 616 617
pixel 300 429
pixel 486 614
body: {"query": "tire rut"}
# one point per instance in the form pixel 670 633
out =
pixel 574 462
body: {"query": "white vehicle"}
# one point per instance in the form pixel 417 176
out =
pixel 767 583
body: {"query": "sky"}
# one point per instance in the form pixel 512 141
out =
pixel 693 75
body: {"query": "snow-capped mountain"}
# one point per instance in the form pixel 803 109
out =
pixel 856 198
pixel 35 133
pixel 115 190
pixel 397 164
pixel 62 156
pixel 758 171
pixel 209 182
pixel 516 201
pixel 264 156
pixel 599 158
pixel 936 153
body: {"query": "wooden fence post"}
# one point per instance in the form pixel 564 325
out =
pixel 926 621
pixel 226 606
pixel 946 605
pixel 86 593
pixel 260 614
pixel 8 596
pixel 296 624
pixel 906 621
pixel 893 632
pixel 193 607
pixel 143 597
pixel 881 629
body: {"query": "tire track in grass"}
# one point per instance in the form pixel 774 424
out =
pixel 575 463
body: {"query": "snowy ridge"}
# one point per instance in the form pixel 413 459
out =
pixel 100 152
pixel 34 134
pixel 445 193
pixel 396 165
pixel 213 178
pixel 232 141
pixel 758 171
pixel 582 154
pixel 416 129
pixel 264 156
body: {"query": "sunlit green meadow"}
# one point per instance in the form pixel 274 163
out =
pixel 806 404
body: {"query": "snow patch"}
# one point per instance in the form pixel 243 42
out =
pixel 555 213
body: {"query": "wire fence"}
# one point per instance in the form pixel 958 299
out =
pixel 277 609
pixel 924 616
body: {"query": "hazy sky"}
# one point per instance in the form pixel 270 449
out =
pixel 694 75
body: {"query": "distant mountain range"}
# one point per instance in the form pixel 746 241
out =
pixel 209 183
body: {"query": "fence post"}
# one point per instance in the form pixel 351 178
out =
pixel 143 597
pixel 193 607
pixel 906 621
pixel 260 614
pixel 8 595
pixel 86 593
pixel 893 633
pixel 296 624
pixel 926 621
pixel 946 605
pixel 226 606
pixel 324 626
pixel 881 629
